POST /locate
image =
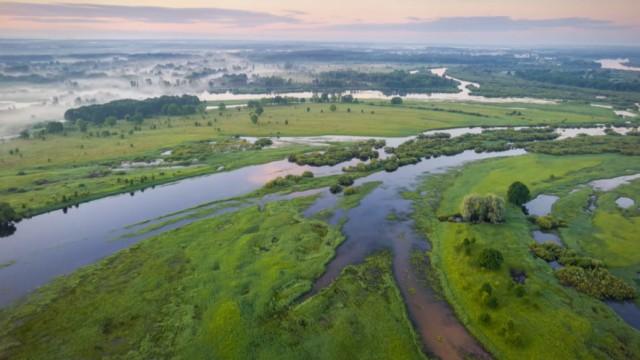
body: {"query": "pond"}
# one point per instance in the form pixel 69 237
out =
pixel 541 205
pixel 625 202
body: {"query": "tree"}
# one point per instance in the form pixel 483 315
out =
pixel 347 98
pixel 8 215
pixel 518 193
pixel 396 100
pixel 222 106
pixel 24 134
pixel 110 121
pixel 82 125
pixel 345 180
pixel 476 208
pixel 53 127
pixel 490 259
pixel 254 119
pixel 333 107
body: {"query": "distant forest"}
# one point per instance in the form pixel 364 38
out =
pixel 135 110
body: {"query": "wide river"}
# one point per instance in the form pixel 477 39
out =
pixel 59 242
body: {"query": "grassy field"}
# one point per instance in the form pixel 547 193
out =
pixel 37 175
pixel 609 233
pixel 188 294
pixel 377 118
pixel 540 319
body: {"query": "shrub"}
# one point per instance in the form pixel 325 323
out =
pixel 307 174
pixel 490 259
pixel 335 189
pixel 597 282
pixel 390 166
pixel 263 142
pixel 518 193
pixel 396 100
pixel 485 318
pixel 492 302
pixel 350 191
pixel 345 180
pixel 548 222
pixel 486 287
pixel 7 215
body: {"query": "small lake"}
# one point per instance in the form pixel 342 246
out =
pixel 541 205
pixel 625 202
pixel 610 184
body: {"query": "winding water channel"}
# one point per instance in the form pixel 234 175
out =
pixel 59 242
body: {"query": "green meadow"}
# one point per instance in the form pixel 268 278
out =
pixel 42 174
pixel 541 316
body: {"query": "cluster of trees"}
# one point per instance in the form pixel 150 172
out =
pixel 344 181
pixel 626 145
pixel 286 181
pixel 438 144
pixel 489 208
pixel 594 79
pixel 395 82
pixel 135 110
pixel 585 274
pixel 363 150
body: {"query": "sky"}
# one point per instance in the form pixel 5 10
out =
pixel 451 22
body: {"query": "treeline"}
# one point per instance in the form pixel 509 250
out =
pixel 390 83
pixel 442 144
pixel 594 79
pixel 135 110
pixel 625 145
pixel 395 82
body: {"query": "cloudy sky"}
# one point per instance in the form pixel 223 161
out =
pixel 469 22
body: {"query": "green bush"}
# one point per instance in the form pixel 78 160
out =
pixel 390 166
pixel 350 191
pixel 263 142
pixel 518 193
pixel 7 215
pixel 345 180
pixel 548 222
pixel 485 318
pixel 597 282
pixel 307 174
pixel 490 259
pixel 335 189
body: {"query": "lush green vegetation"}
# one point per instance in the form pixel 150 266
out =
pixel 172 296
pixel 586 274
pixel 483 208
pixel 518 193
pixel 389 82
pixel 363 150
pixel 521 308
pixel 135 110
pixel 605 231
pixel 394 82
pixel 583 83
pixel 626 145
pixel 52 170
